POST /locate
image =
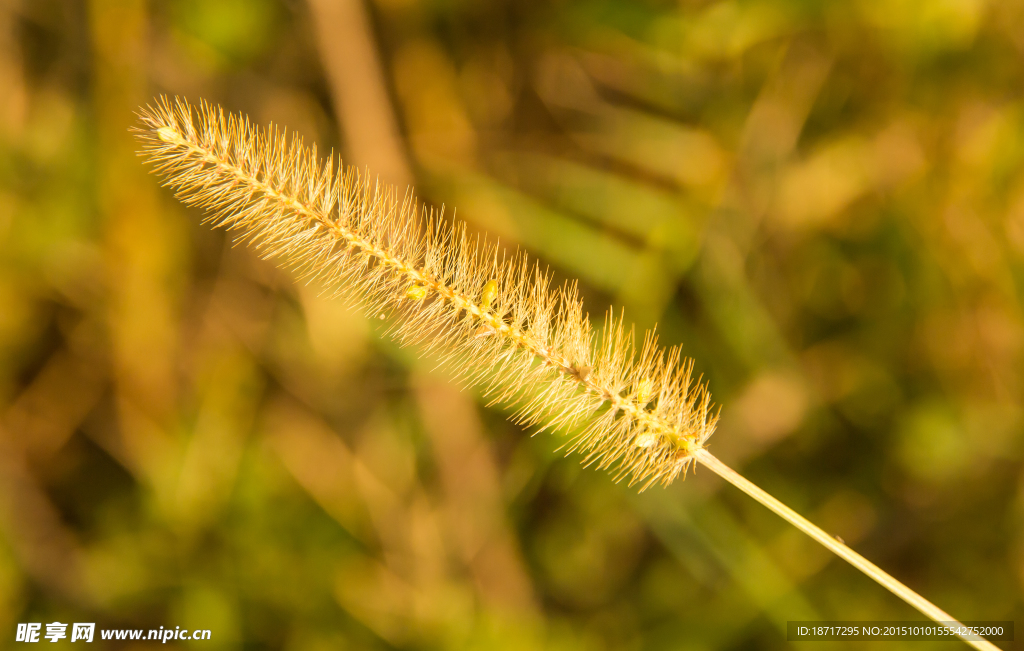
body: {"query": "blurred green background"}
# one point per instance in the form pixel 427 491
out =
pixel 824 202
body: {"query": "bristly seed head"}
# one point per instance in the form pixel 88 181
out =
pixel 416 292
pixel 168 134
pixel 581 371
pixel 488 294
pixel 643 392
pixel 646 440
pixel 368 242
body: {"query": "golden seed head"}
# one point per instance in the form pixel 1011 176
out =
pixel 646 440
pixel 416 292
pixel 370 244
pixel 582 371
pixel 168 134
pixel 489 294
pixel 644 390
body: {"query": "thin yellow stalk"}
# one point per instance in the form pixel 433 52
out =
pixel 839 549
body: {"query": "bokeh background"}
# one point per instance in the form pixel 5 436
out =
pixel 824 202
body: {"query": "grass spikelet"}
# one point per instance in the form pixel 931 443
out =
pixel 492 315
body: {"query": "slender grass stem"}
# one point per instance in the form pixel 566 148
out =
pixel 839 549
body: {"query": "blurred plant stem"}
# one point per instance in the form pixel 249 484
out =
pixel 143 246
pixel 350 57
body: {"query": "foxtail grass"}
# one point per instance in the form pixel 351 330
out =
pixel 492 317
